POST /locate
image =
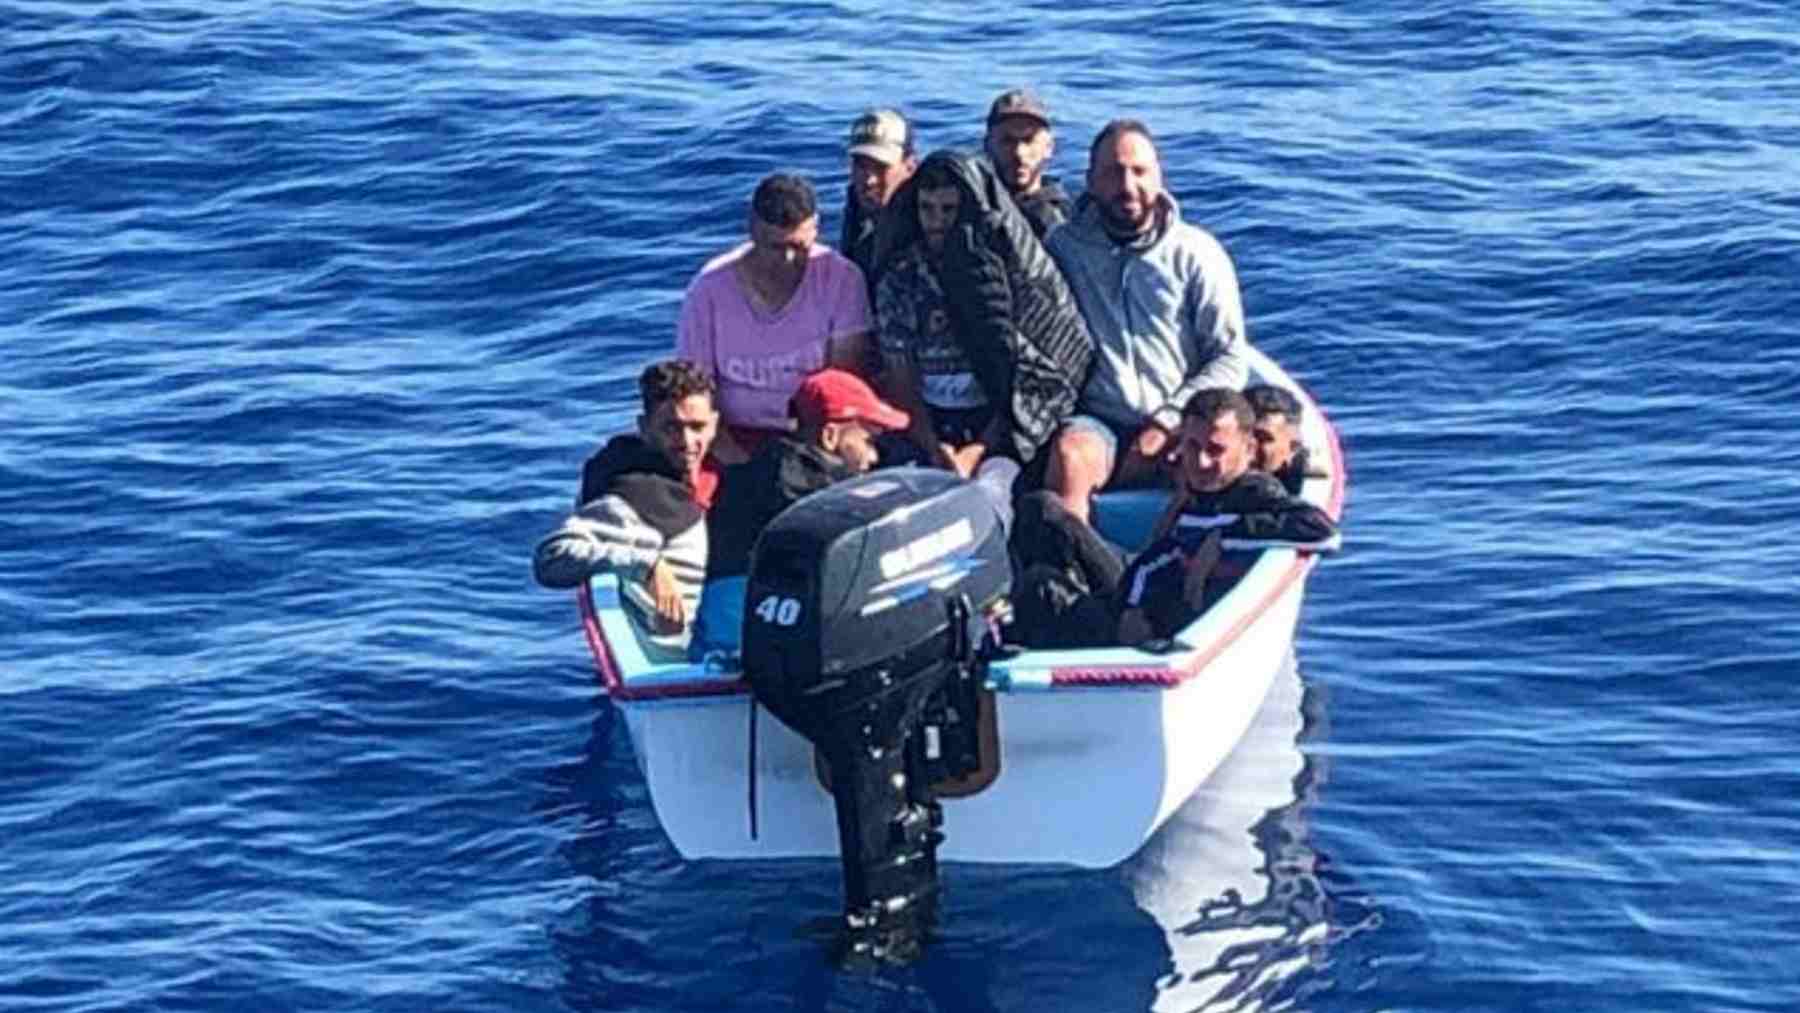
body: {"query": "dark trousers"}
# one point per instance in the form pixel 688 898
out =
pixel 1065 578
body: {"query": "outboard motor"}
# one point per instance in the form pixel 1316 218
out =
pixel 869 603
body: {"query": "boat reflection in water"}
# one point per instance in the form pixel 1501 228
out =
pixel 1232 878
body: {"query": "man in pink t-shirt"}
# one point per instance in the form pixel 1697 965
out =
pixel 762 316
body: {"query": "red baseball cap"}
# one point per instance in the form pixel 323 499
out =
pixel 835 395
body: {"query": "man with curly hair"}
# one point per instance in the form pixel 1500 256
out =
pixel 639 515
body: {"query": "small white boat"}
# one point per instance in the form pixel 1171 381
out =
pixel 1093 749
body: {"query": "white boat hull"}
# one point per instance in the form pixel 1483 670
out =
pixel 1086 774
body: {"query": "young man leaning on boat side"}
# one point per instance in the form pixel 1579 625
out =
pixel 1219 500
pixel 641 519
pixel 766 313
pixel 1222 513
pixel 1160 297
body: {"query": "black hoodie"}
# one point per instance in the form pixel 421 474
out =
pixel 857 240
pixel 636 472
pixel 1046 208
pixel 1018 322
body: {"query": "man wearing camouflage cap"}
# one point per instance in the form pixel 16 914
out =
pixel 882 156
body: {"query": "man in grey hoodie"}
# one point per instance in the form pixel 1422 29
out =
pixel 1161 299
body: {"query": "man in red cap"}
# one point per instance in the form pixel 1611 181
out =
pixel 838 418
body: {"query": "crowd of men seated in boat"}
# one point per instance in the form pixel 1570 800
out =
pixel 979 321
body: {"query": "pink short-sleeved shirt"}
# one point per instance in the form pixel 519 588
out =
pixel 759 358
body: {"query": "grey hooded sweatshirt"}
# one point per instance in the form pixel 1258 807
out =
pixel 1164 312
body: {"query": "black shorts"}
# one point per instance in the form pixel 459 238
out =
pixel 960 427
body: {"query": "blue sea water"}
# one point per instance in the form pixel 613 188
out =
pixel 312 309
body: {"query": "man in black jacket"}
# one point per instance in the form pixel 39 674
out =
pixel 1001 298
pixel 1071 591
pixel 1222 515
pixel 924 368
pixel 838 419
pixel 882 157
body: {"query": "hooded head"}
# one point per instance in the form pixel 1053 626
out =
pixel 979 192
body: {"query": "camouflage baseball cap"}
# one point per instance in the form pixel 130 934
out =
pixel 881 134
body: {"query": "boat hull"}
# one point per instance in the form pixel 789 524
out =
pixel 1087 773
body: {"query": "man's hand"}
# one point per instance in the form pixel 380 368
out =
pixel 1199 567
pixel 1134 628
pixel 1142 459
pixel 943 455
pixel 671 611
pixel 1151 440
pixel 964 460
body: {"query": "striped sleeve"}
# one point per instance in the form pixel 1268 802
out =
pixel 1158 566
pixel 604 536
pixel 685 556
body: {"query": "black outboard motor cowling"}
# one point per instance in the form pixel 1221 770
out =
pixel 863 601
